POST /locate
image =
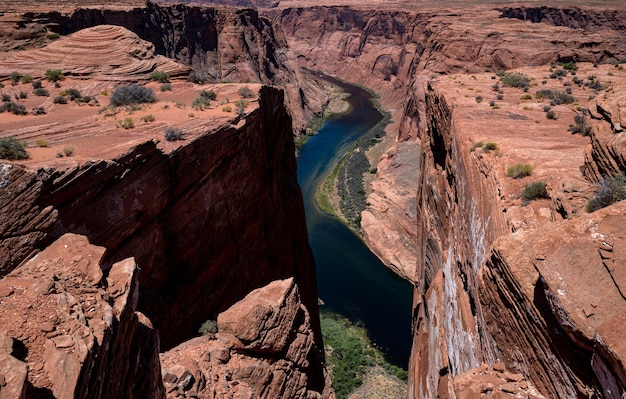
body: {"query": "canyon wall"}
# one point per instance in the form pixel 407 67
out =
pixel 206 222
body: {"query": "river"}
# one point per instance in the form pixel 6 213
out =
pixel 351 279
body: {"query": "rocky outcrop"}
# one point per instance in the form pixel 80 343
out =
pixel 264 348
pixel 195 217
pixel 606 155
pixel 496 382
pixel 103 53
pixel 70 331
pixel 575 17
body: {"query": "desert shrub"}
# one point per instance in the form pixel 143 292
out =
pixel 568 90
pixel 166 87
pixel 90 100
pixel 500 97
pixel 132 94
pixel 479 99
pixel 15 76
pixel 53 36
pixel 41 92
pixel 534 190
pixel 12 149
pixel 556 98
pixel 39 111
pixel 240 107
pixel 490 146
pixel 596 85
pixel 68 151
pixel 26 79
pixel 200 103
pixel 570 66
pixel 551 115
pixel 227 108
pixel 578 80
pixel 492 103
pixel 16 109
pixel 519 170
pixel 558 73
pixel 495 87
pixel 54 75
pixel 148 118
pixel 71 94
pixel 198 77
pixel 245 92
pixel 515 79
pixel 42 143
pixel 476 145
pixel 546 108
pixel 57 85
pixel 22 94
pixel 580 125
pixel 210 94
pixel 6 98
pixel 526 97
pixel 208 327
pixel 59 100
pixel 173 134
pixel 609 191
pixel 160 76
pixel 127 123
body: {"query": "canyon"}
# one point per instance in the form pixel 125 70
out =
pixel 512 297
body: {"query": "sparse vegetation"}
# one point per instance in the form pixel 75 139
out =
pixel 68 151
pixel 12 149
pixel 26 79
pixel 148 118
pixel 53 36
pixel 227 108
pixel 500 97
pixel 39 111
pixel 54 75
pixel 201 103
pixel 609 191
pixel 166 87
pixel 245 92
pixel 490 146
pixel 22 95
pixel 198 77
pixel 6 98
pixel 479 99
pixel 59 100
pixel 71 94
pixel 478 144
pixel 127 123
pixel 551 115
pixel 15 77
pixel 209 94
pixel 580 125
pixel 209 327
pixel 41 92
pixel 160 76
pixel 132 94
pixel 42 143
pixel 559 73
pixel 515 79
pixel 14 108
pixel 240 107
pixel 534 190
pixel 173 134
pixel 519 170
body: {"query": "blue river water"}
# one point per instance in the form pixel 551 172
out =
pixel 351 279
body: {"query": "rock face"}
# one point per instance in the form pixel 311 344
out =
pixel 68 331
pixel 264 348
pixel 535 286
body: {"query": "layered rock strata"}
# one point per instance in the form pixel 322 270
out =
pixel 264 348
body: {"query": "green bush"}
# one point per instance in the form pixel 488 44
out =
pixel 208 327
pixel 41 92
pixel 580 125
pixel 245 92
pixel 209 94
pixel 476 145
pixel 12 149
pixel 127 123
pixel 558 73
pixel 526 97
pixel 201 103
pixel 166 87
pixel 570 66
pixel 26 79
pixel 173 134
pixel 59 100
pixel 53 36
pixel 15 76
pixel 490 146
pixel 198 77
pixel 534 190
pixel 54 75
pixel 609 191
pixel 519 170
pixel 71 94
pixel 160 76
pixel 10 106
pixel 515 79
pixel 132 94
